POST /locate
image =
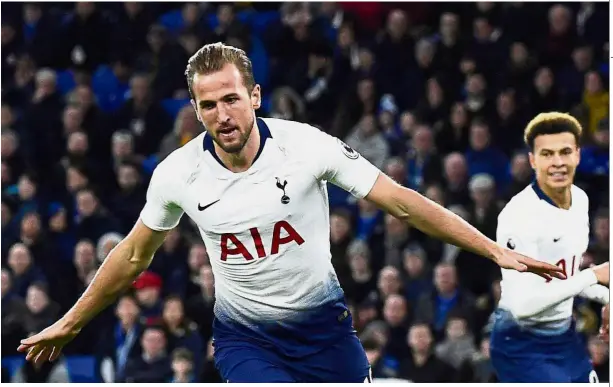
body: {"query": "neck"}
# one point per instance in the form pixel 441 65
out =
pixel 241 161
pixel 561 196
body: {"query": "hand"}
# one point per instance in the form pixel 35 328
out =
pixel 604 327
pixel 509 259
pixel 602 273
pixel 48 344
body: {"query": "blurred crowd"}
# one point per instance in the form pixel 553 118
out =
pixel 435 94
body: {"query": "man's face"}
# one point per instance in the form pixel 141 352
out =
pixel 225 107
pixel 555 158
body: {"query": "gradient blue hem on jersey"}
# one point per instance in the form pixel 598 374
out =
pixel 520 355
pixel 343 361
pixel 307 333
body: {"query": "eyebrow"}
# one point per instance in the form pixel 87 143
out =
pixel 231 95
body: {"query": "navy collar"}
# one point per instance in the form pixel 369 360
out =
pixel 542 195
pixel 261 126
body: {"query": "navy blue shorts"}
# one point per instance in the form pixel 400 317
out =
pixel 245 362
pixel 521 356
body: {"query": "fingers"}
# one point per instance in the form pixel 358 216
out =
pixel 34 351
pixel 57 351
pixel 544 275
pixel 43 356
pixel 31 340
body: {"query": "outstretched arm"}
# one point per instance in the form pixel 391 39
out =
pixel 123 264
pixel 441 223
pixel 118 271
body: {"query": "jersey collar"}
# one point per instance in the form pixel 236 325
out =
pixel 542 195
pixel 264 135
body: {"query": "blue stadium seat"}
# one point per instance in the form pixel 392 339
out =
pixel 82 369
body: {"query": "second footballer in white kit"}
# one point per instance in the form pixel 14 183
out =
pixel 534 337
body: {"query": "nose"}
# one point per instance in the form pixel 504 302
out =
pixel 222 114
pixel 557 161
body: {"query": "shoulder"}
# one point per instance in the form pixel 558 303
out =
pixel 306 139
pixel 291 132
pixel 579 196
pixel 519 210
pixel 181 163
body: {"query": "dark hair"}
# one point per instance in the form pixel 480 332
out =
pixel 213 57
pixel 552 123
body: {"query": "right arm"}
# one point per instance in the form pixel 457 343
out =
pixel 125 262
pixel 118 271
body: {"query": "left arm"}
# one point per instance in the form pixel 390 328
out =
pixel 344 167
pixel 431 218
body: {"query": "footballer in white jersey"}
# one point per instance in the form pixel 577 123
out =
pixel 256 189
pixel 534 337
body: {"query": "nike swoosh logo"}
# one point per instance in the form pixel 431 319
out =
pixel 202 208
pixel 556 239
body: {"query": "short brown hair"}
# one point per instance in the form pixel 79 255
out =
pixel 552 123
pixel 213 57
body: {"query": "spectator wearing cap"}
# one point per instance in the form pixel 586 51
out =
pixel 485 157
pixel 148 288
pixel 154 365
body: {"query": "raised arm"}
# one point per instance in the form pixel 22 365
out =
pixel 124 263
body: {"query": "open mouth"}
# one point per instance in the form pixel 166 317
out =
pixel 227 133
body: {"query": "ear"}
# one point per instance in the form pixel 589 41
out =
pixel 532 163
pixel 196 109
pixel 256 97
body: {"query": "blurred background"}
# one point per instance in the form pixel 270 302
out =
pixel 435 94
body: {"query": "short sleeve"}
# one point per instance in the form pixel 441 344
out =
pixel 341 165
pixel 160 212
pixel 514 234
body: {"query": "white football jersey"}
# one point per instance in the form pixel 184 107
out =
pixel 533 225
pixel 267 229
